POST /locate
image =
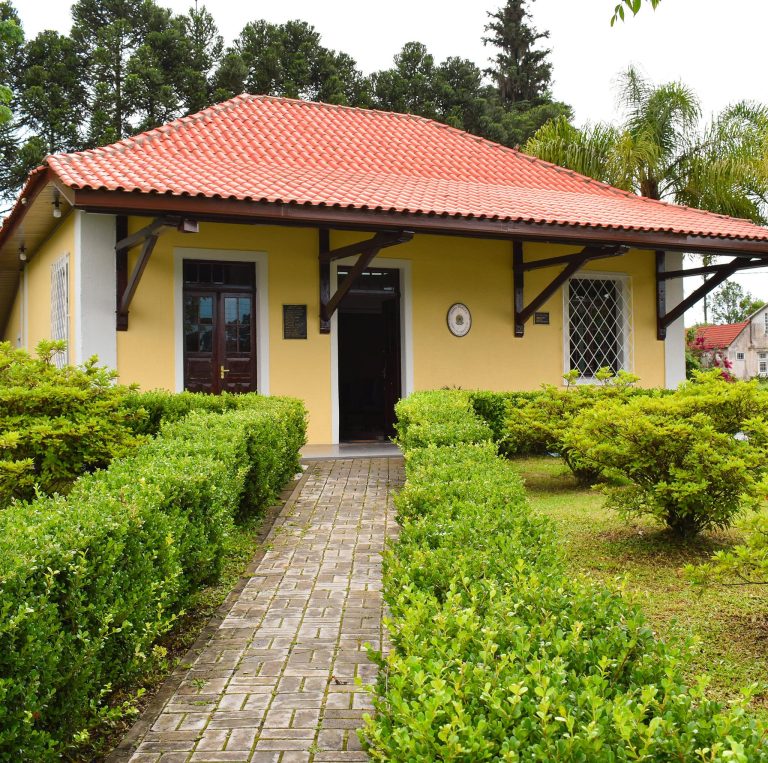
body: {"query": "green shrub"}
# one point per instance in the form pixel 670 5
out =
pixel 684 465
pixel 498 654
pixel 89 582
pixel 57 423
pixel 440 417
pixel 541 424
pixel 495 407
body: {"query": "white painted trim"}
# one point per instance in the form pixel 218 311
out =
pixel 406 332
pixel 76 354
pixel 94 298
pixel 674 344
pixel 260 261
pixel 629 338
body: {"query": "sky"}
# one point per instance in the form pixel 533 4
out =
pixel 717 47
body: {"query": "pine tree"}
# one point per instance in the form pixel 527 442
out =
pixel 521 71
pixel 410 86
pixel 205 49
pixel 50 95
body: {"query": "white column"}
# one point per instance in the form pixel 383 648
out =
pixel 94 301
pixel 674 344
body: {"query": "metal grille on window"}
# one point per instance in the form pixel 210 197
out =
pixel 599 311
pixel 60 306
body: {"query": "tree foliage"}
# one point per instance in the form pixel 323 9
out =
pixel 731 303
pixel 633 6
pixel 131 65
pixel 660 149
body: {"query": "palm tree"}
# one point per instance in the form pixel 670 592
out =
pixel 660 150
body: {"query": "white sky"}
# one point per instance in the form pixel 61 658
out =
pixel 716 47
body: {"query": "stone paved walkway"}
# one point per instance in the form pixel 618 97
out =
pixel 276 682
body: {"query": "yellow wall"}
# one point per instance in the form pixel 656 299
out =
pixel 37 272
pixel 13 329
pixel 444 270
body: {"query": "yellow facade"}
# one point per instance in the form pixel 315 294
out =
pixel 444 270
pixel 35 288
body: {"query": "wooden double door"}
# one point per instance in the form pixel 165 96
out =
pixel 219 327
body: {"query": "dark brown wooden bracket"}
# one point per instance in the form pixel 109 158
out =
pixel 719 273
pixel 573 263
pixel 365 250
pixel 147 238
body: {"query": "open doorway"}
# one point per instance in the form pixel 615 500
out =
pixel 369 341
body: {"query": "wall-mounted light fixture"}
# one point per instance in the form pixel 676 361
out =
pixel 56 206
pixel 23 253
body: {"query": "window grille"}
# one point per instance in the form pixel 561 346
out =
pixel 598 318
pixel 762 355
pixel 763 368
pixel 60 307
pixel 739 356
pixel 765 321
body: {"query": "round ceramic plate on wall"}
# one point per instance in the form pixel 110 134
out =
pixel 459 319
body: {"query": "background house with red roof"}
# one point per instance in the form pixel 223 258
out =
pixel 349 257
pixel 744 344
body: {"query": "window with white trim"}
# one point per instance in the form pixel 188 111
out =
pixel 765 321
pixel 762 368
pixel 60 306
pixel 598 324
pixel 762 355
pixel 739 356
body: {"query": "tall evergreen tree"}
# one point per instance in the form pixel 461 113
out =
pixel 410 86
pixel 521 70
pixel 205 48
pixel 51 95
pixel 288 60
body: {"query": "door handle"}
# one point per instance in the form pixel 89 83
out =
pixel 223 371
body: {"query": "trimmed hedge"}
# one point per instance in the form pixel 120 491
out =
pixel 498 654
pixel 152 409
pixel 90 581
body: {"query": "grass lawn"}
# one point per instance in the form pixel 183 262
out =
pixel 730 624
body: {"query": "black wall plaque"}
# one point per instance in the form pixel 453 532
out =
pixel 294 321
pixel 541 319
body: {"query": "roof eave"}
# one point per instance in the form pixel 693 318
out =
pixel 236 210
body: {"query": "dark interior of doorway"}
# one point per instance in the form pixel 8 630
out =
pixel 369 356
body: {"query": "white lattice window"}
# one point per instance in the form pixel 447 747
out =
pixel 765 321
pixel 762 368
pixel 598 312
pixel 60 306
pixel 739 356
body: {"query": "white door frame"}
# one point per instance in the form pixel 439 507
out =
pixel 406 332
pixel 260 262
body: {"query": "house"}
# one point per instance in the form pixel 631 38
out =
pixel 744 345
pixel 348 257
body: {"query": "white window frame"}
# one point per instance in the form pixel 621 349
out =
pixel 60 301
pixel 625 282
pixel 739 356
pixel 765 321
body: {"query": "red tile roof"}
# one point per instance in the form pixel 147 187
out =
pixel 261 148
pixel 716 337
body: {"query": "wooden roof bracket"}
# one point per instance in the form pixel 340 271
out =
pixel 719 274
pixel 573 263
pixel 367 250
pixel 147 238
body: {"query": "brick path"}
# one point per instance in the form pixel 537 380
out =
pixel 276 682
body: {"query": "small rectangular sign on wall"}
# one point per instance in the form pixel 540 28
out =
pixel 294 321
pixel 541 319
